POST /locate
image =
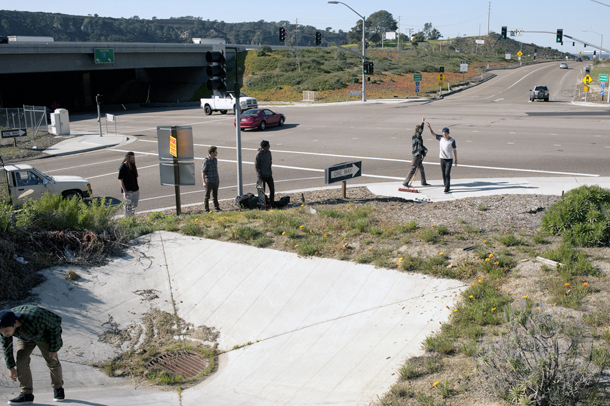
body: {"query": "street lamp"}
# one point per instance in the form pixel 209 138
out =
pixel 363 47
pixel 600 45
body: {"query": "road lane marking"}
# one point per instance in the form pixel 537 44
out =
pixel 501 91
pixel 374 159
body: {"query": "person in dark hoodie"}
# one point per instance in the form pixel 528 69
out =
pixel 262 164
pixel 419 152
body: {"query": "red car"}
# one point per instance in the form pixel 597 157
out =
pixel 260 118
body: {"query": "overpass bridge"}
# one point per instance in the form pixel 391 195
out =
pixel 42 73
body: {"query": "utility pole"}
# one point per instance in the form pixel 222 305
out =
pixel 488 14
pixel 398 46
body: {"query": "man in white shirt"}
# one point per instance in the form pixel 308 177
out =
pixel 448 155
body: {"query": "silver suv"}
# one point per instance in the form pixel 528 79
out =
pixel 539 92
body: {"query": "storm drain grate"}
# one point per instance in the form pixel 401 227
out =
pixel 185 363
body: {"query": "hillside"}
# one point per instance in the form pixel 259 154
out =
pixel 91 28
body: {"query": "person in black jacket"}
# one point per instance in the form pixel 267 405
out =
pixel 264 174
pixel 419 152
pixel 128 179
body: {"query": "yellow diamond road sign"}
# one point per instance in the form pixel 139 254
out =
pixel 519 53
pixel 441 77
pixel 587 79
pixel 579 52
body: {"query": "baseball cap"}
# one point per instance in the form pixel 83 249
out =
pixel 446 130
pixel 7 318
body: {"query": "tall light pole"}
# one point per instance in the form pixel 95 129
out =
pixel 601 45
pixel 363 47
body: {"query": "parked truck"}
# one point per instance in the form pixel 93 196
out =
pixel 24 182
pixel 227 102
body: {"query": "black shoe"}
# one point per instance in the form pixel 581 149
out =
pixel 58 395
pixel 22 399
pixel 218 209
pixel 207 209
pixel 405 185
pixel 426 184
pixel 447 192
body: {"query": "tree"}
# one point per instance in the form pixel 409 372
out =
pixel 381 22
pixel 430 33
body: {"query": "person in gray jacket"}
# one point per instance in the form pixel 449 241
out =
pixel 264 174
pixel 419 152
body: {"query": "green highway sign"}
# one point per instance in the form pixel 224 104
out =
pixel 105 55
pixel 603 78
pixel 417 78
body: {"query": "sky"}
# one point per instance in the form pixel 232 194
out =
pixel 450 17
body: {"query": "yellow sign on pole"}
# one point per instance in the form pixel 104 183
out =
pixel 587 79
pixel 172 146
pixel 579 52
pixel 441 77
pixel 519 54
pixel 586 88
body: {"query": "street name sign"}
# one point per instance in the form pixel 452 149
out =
pixel 14 133
pixel 516 32
pixel 343 171
pixel 417 78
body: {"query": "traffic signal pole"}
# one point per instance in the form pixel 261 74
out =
pixel 240 183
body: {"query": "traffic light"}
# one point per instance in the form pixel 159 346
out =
pixel 318 38
pixel 504 30
pixel 559 36
pixel 216 72
pixel 282 34
pixel 441 69
pixel 371 68
pixel 594 53
pixel 366 68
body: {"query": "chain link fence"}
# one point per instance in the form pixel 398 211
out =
pixel 32 118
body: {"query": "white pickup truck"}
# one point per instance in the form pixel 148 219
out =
pixel 223 104
pixel 27 183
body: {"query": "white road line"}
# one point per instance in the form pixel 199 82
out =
pixel 494 95
pixel 82 166
pixel 382 159
pixel 497 100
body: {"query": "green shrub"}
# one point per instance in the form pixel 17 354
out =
pixel 581 217
pixel 508 240
pixel 191 229
pixel 542 360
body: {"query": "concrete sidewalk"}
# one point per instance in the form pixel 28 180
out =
pixel 298 331
pixel 83 142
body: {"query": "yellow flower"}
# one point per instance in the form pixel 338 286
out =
pixel 196 220
pixel 369 248
pixel 316 253
pixel 525 297
pixel 479 281
pixel 484 241
pixel 310 230
pixel 210 212
pixel 301 227
pixel 218 221
pixel 296 245
pixel 455 310
pixel 281 222
pixel 324 235
pixel 400 259
pixel 471 296
pixel 493 310
pixel 486 259
pixel 537 309
pixel 496 263
pixel 491 255
pixel 440 253
pixel 283 232
pixel 270 211
pixel 566 284
pixel 432 225
pixel 585 284
pixel 302 205
pixel 435 383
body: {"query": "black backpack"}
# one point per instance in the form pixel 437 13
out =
pixel 283 201
pixel 242 201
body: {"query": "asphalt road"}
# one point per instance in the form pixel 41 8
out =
pixel 498 131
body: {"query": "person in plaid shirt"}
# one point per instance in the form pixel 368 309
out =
pixel 209 175
pixel 34 327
